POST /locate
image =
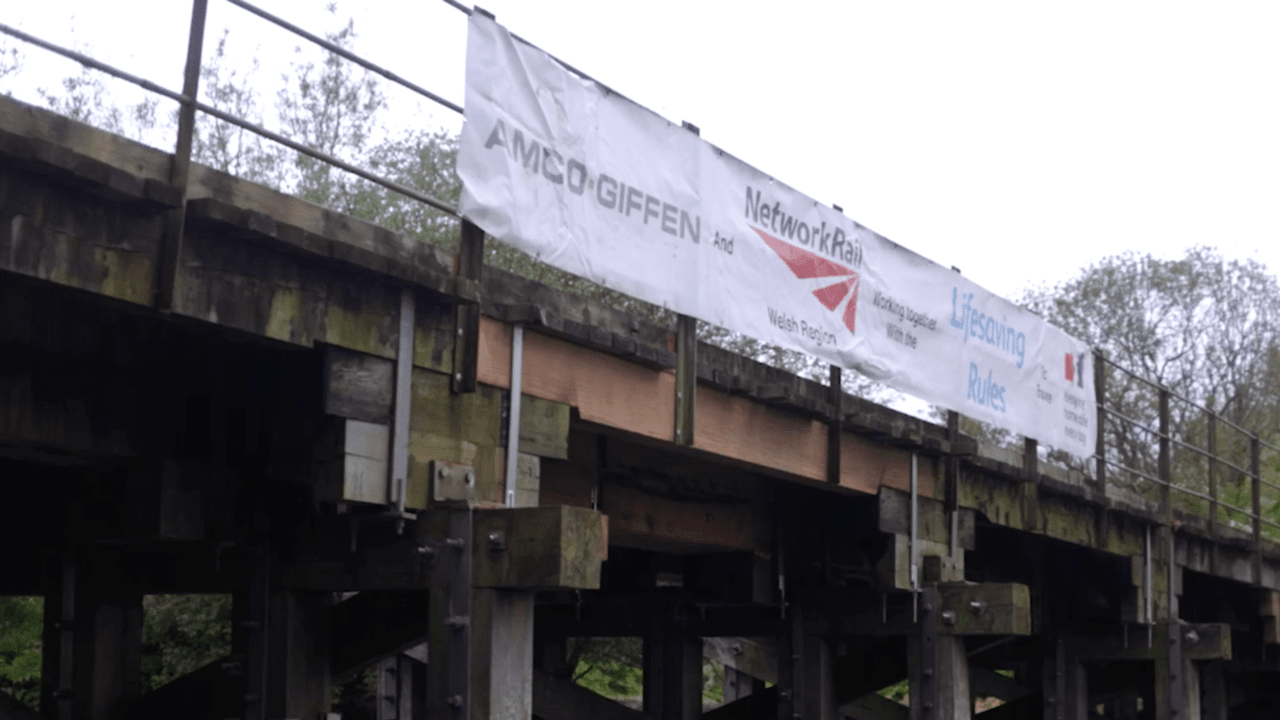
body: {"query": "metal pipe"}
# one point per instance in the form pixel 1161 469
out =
pixel 513 419
pixel 404 384
pixel 914 537
pixel 343 52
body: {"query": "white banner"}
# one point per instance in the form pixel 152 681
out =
pixel 596 185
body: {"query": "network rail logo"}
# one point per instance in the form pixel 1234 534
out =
pixel 808 265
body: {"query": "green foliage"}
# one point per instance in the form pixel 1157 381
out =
pixel 1206 328
pixel 181 633
pixel 612 667
pixel 21 622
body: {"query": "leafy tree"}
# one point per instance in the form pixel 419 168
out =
pixel 21 622
pixel 1206 328
pixel 181 633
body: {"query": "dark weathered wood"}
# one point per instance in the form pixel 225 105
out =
pixel 755 657
pixel 556 547
pixel 1200 641
pixel 298 674
pixel 467 318
pixel 933 525
pixel 686 379
pixel 357 385
pixel 672 672
pixel 756 706
pixel 374 625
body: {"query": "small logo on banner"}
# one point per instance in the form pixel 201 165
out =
pixel 1073 369
pixel 807 265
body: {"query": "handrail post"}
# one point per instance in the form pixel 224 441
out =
pixel 1213 473
pixel 1100 398
pixel 1164 469
pixel 1255 472
pixel 166 274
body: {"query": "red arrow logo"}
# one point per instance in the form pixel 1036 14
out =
pixel 807 265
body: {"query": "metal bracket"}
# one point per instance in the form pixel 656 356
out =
pixel 452 482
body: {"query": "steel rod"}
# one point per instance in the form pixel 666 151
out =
pixel 343 52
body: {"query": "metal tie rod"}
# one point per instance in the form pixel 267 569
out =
pixel 339 50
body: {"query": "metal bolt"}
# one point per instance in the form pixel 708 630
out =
pixel 440 472
pixel 978 606
pixel 927 672
pixel 497 540
pixel 471 477
pixel 949 617
pixel 458 543
pixel 457 621
pixel 454 701
pixel 457 377
pixel 426 550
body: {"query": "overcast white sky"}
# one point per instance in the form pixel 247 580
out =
pixel 1018 141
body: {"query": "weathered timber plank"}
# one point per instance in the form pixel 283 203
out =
pixel 101 260
pixel 643 520
pixel 757 657
pixel 1200 641
pixel 986 609
pixel 932 522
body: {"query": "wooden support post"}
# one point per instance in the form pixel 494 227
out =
pixel 501 654
pixel 250 614
pixel 298 680
pixel 450 607
pixel 738 684
pixel 466 339
pixel 1170 670
pixel 672 672
pixel 95 633
pixel 686 378
pixel 1065 684
pixel 1213 690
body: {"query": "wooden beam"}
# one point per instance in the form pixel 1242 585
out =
pixel 874 707
pixel 757 657
pixel 555 547
pixel 558 699
pixel 1200 641
pixel 372 626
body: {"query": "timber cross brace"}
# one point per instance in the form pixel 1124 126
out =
pixel 343 430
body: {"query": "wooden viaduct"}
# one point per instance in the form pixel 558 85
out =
pixel 239 439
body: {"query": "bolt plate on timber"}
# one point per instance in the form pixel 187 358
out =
pixel 451 482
